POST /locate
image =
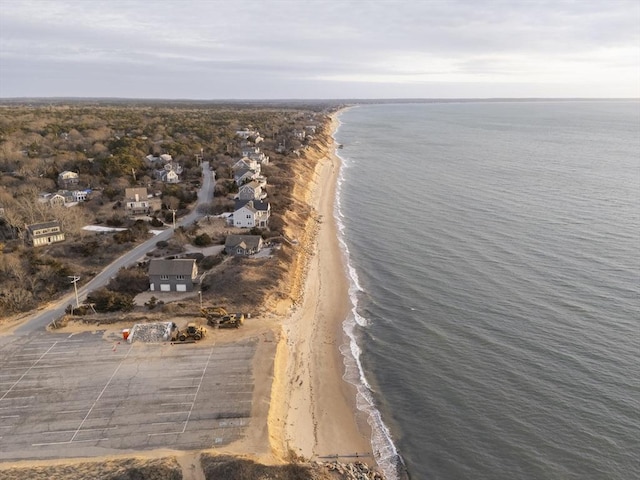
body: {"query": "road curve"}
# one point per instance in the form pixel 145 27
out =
pixel 43 318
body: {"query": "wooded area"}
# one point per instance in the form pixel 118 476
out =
pixel 107 146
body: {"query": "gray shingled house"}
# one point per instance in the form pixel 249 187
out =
pixel 44 233
pixel 178 275
pixel 243 244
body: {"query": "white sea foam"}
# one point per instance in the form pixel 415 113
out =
pixel 385 452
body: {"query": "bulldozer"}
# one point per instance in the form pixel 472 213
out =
pixel 219 317
pixel 192 331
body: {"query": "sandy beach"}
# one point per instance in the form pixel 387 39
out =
pixel 313 412
pixel 302 408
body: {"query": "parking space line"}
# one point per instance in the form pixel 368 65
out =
pixel 20 398
pixel 14 408
pixel 26 355
pixel 178 403
pixel 9 416
pixel 48 443
pixel 177 394
pixel 25 373
pixel 165 423
pixel 197 390
pixel 168 413
pixel 166 433
pixel 92 440
pixel 33 366
pixel 51 432
pixel 101 393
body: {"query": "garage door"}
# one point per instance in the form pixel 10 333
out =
pixel 181 287
pixel 165 287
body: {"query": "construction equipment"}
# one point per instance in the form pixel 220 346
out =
pixel 219 317
pixel 192 331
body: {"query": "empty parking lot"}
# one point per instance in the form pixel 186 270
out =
pixel 67 395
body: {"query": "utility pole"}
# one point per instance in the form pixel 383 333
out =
pixel 200 295
pixel 74 280
pixel 174 218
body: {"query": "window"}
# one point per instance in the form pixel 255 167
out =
pixel 164 277
pixel 180 277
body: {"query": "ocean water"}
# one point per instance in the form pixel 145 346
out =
pixel 494 254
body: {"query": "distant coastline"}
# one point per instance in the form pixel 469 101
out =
pixel 334 103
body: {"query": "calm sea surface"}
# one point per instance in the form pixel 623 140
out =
pixel 494 252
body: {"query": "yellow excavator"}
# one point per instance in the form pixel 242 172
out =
pixel 219 317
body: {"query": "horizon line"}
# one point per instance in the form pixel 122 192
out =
pixel 280 100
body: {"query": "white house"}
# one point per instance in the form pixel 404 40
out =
pixel 171 177
pixel 67 179
pixel 249 150
pixel 79 195
pixel 246 133
pixel 252 213
pixel 246 163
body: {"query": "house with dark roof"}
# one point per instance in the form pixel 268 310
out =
pixel 46 233
pixel 251 213
pixel 251 191
pixel 246 164
pixel 243 244
pixel 244 175
pixel 179 275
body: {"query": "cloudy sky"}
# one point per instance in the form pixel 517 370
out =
pixel 269 49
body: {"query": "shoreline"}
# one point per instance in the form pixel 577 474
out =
pixel 314 412
pixel 303 408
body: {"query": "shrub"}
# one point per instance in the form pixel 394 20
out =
pixel 211 261
pixel 107 301
pixel 202 240
pixel 152 303
pixel 115 220
pixel 155 222
pixel 124 236
pixel 132 280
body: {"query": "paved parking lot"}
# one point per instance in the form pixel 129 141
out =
pixel 67 395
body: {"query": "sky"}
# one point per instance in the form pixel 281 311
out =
pixel 319 49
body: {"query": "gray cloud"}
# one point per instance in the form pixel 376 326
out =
pixel 256 49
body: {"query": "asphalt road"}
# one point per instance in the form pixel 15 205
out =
pixel 44 317
pixel 85 394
